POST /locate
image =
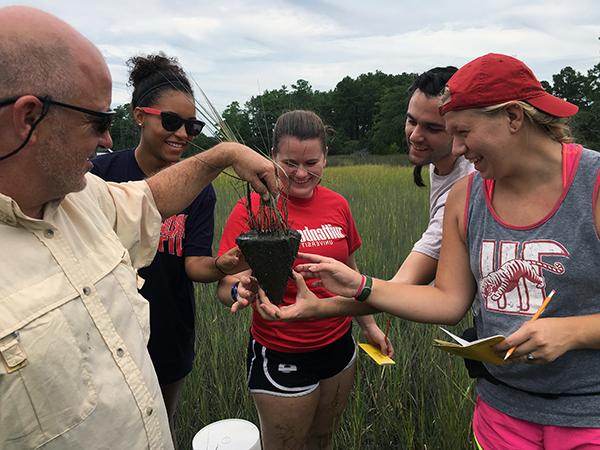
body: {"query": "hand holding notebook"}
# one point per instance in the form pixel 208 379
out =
pixel 479 350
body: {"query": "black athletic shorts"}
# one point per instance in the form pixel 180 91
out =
pixel 296 374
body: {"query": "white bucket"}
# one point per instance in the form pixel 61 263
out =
pixel 228 434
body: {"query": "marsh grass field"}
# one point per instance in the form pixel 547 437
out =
pixel 425 401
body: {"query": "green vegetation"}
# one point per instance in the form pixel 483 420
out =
pixel 367 113
pixel 424 401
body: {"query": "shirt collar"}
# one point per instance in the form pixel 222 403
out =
pixel 11 214
pixel 8 210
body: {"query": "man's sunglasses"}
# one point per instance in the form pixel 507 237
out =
pixel 100 120
pixel 172 122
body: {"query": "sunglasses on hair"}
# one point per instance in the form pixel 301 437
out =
pixel 173 122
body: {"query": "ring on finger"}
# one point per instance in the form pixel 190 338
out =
pixel 530 356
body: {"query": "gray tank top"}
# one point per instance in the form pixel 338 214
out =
pixel 515 268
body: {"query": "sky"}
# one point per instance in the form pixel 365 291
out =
pixel 237 49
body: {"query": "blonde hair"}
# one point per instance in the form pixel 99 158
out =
pixel 555 127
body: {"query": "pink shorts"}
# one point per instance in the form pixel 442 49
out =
pixel 497 431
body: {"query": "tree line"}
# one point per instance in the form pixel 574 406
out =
pixel 367 113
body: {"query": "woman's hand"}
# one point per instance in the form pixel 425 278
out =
pixel 306 305
pixel 376 337
pixel 247 293
pixel 539 341
pixel 332 274
pixel 232 261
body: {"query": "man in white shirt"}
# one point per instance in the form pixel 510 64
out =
pixel 430 145
pixel 74 370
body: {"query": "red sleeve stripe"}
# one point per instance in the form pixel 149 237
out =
pixel 571 156
pixel 466 214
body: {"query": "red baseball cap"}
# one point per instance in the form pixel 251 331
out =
pixel 494 78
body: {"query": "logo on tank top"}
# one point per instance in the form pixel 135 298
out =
pixel 512 273
pixel 172 233
pixel 318 237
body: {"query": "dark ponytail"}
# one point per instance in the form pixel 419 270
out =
pixel 417 177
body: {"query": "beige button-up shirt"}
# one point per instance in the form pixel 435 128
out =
pixel 74 370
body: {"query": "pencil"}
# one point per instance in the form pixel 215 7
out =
pixel 535 317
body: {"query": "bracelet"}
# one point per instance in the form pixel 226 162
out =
pixel 234 291
pixel 217 266
pixel 365 288
pixel 361 285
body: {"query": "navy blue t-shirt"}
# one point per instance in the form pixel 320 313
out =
pixel 167 287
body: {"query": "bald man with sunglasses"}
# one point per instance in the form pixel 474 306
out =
pixel 74 370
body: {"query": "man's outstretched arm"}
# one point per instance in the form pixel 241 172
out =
pixel 175 187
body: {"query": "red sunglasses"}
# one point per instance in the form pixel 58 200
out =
pixel 172 122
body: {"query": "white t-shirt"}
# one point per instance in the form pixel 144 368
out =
pixel 431 240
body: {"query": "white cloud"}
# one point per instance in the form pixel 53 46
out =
pixel 235 48
pixel 155 28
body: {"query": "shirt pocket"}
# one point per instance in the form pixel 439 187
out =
pixel 128 280
pixel 45 382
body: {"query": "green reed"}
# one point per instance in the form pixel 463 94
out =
pixel 423 402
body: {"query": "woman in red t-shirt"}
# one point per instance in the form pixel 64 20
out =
pixel 300 374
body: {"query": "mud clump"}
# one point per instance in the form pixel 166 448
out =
pixel 270 255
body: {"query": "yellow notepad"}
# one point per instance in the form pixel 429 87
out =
pixel 480 350
pixel 377 356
